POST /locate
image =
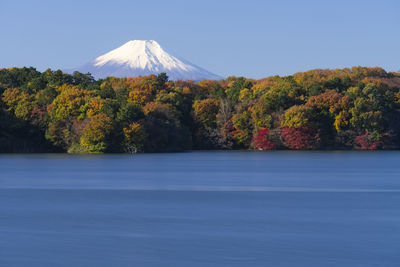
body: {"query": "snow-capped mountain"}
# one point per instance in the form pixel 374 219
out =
pixel 142 57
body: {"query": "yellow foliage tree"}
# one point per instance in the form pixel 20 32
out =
pixel 20 103
pixel 297 116
pixel 135 136
pixel 96 133
pixel 71 102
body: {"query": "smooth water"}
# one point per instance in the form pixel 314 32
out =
pixel 201 209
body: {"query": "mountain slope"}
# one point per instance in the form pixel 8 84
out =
pixel 140 57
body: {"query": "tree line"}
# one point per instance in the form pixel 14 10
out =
pixel 52 111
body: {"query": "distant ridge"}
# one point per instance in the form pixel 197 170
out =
pixel 144 57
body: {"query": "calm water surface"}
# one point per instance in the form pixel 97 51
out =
pixel 201 209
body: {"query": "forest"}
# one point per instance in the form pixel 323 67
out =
pixel 321 109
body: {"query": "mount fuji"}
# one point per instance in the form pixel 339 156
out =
pixel 143 57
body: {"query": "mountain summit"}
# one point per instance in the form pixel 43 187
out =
pixel 143 57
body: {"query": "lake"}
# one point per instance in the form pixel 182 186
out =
pixel 201 209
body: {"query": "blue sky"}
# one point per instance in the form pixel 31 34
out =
pixel 250 38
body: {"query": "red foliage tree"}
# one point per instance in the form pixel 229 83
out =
pixel 261 141
pixel 300 137
pixel 365 142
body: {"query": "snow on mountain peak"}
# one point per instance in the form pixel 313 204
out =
pixel 144 57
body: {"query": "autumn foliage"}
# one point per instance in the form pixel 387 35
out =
pixel 367 142
pixel 350 108
pixel 302 137
pixel 261 141
pixel 96 132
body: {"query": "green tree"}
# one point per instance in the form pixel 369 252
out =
pixel 162 78
pixel 234 91
pixel 129 113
